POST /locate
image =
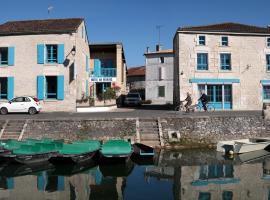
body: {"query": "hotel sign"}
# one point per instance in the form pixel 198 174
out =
pixel 102 79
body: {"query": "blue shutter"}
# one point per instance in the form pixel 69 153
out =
pixel 60 183
pixel 97 67
pixel 10 94
pixel 87 64
pixel 11 52
pixel 40 53
pixel 61 53
pixel 40 87
pixel 87 89
pixel 60 87
pixel 10 183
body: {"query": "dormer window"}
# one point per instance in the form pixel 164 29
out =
pixel 224 41
pixel 202 40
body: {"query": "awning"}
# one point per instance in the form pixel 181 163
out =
pixel 213 80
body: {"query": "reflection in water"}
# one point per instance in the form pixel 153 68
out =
pixel 197 174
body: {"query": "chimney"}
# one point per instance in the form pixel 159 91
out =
pixel 147 49
pixel 158 47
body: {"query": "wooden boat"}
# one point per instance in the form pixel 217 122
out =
pixel 243 145
pixel 116 150
pixel 77 152
pixel 142 150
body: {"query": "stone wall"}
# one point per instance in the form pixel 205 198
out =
pixel 210 130
pixel 81 129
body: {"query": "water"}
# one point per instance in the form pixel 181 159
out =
pixel 189 174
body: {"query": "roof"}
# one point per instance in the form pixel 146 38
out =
pixel 136 71
pixel 47 26
pixel 160 52
pixel 106 43
pixel 227 27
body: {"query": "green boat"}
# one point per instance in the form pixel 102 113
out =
pixel 116 149
pixel 77 152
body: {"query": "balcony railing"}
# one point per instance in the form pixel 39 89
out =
pixel 105 72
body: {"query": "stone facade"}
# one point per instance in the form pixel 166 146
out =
pixel 26 68
pixel 159 73
pixel 248 63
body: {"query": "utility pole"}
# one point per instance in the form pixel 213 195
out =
pixel 158 27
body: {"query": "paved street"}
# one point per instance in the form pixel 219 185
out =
pixel 142 112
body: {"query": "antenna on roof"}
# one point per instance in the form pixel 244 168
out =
pixel 158 27
pixel 50 8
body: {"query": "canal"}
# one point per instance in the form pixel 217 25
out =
pixel 185 174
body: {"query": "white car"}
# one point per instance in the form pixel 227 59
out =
pixel 26 104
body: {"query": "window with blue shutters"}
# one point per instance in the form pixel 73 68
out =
pixel 268 62
pixel 224 41
pixel 60 53
pixel 11 55
pixel 202 40
pixel 40 87
pixel 225 61
pixel 3 87
pixel 51 53
pixel 3 56
pixel 266 92
pixel 202 61
pixel 60 87
pixel 10 94
pixel 40 53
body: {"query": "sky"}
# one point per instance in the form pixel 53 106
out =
pixel 134 22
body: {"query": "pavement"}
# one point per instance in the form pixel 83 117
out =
pixel 147 111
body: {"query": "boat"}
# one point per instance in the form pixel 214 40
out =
pixel 243 145
pixel 115 150
pixel 142 150
pixel 77 152
pixel 30 153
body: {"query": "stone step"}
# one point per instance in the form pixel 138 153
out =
pixel 149 136
pixel 152 143
pixel 9 137
pixel 149 132
pixel 13 129
pixel 12 133
pixel 148 128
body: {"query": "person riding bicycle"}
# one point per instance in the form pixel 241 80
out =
pixel 204 100
pixel 189 102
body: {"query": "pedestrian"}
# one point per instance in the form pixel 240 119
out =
pixel 204 100
pixel 189 102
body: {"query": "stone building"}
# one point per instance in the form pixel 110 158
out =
pixel 159 75
pixel 108 68
pixel 136 80
pixel 47 59
pixel 229 61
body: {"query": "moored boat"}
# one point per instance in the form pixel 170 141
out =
pixel 243 145
pixel 142 150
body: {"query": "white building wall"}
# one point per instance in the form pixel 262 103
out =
pixel 153 79
pixel 248 61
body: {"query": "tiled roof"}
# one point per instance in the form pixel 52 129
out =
pixel 48 26
pixel 136 71
pixel 228 27
pixel 160 51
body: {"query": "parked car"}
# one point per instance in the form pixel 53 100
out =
pixel 26 104
pixel 133 99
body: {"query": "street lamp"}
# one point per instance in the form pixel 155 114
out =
pixel 73 51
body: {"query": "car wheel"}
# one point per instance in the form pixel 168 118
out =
pixel 32 111
pixel 4 111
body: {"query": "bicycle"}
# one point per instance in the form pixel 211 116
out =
pixel 180 107
pixel 199 107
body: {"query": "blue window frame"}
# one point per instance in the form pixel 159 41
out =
pixel 268 62
pixel 3 88
pixel 201 40
pixel 225 61
pixel 51 53
pixel 3 56
pixel 266 92
pixel 202 61
pixel 224 41
pixel 268 42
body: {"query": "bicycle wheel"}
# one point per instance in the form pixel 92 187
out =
pixel 198 107
pixel 177 108
pixel 210 108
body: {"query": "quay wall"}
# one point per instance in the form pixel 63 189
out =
pixel 200 130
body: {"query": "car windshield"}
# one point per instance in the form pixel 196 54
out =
pixel 133 95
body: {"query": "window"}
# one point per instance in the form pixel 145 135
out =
pixel 201 40
pixel 161 73
pixel 227 195
pixel 266 92
pixel 161 91
pixel 51 53
pixel 202 61
pixel 161 59
pixel 204 196
pixel 268 62
pixel 51 87
pixel 3 88
pixel 4 56
pixel 224 41
pixel 268 42
pixel 225 61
